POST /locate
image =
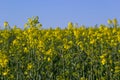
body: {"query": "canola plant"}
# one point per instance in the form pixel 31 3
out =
pixel 72 53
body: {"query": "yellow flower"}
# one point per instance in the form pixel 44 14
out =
pixel 15 42
pixel 40 44
pixel 5 24
pixel 3 60
pixel 29 66
pixel 83 34
pixel 111 61
pixel 103 61
pixel 70 25
pixel 1 41
pixel 76 33
pixel 92 41
pixel 117 69
pixel 5 72
pixel 114 30
pixel 49 52
pixel 119 50
pixel 81 47
pixel 70 42
pixel 66 47
pixel 49 59
pixel 103 55
pixel 26 50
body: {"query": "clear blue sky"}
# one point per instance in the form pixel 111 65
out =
pixel 54 13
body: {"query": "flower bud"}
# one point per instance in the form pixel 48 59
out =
pixel 109 21
pixel 114 21
pixel 5 24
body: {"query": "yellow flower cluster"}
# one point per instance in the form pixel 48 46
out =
pixel 3 59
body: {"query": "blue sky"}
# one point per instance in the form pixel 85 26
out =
pixel 54 13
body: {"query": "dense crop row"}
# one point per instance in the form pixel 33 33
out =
pixel 73 53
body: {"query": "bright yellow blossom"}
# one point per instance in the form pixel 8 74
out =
pixel 3 59
pixel 5 24
pixel 5 72
pixel 70 25
pixel 66 46
pixel 49 52
pixel 103 61
pixel 92 41
pixel 26 50
pixel 49 59
pixel 29 66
